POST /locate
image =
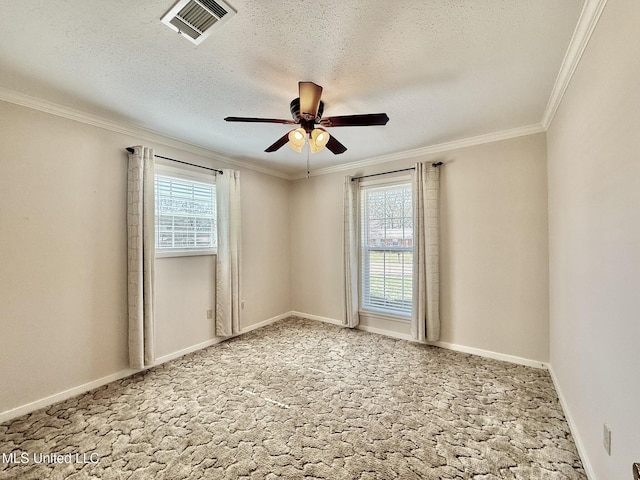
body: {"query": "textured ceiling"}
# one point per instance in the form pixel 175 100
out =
pixel 443 70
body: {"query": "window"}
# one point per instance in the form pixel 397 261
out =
pixel 386 248
pixel 185 213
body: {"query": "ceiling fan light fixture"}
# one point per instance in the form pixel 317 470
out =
pixel 296 139
pixel 318 140
pixel 307 111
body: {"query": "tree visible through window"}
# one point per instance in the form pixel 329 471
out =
pixel 185 214
pixel 387 248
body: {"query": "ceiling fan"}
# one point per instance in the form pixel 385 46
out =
pixel 306 111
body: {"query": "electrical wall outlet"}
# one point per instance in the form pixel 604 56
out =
pixel 606 438
pixel 210 313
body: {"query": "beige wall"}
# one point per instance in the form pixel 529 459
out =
pixel 594 238
pixel 494 246
pixel 63 286
pixel 185 290
pixel 266 243
pixel 63 256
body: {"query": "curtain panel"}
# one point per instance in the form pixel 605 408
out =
pixel 141 257
pixel 228 259
pixel 351 251
pixel 425 325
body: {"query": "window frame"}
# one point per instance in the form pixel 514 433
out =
pixel 368 310
pixel 187 174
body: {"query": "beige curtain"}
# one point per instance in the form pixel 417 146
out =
pixel 228 259
pixel 141 257
pixel 426 260
pixel 350 251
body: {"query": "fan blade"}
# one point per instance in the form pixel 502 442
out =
pixel 259 120
pixel 310 94
pixel 355 120
pixel 335 146
pixel 278 143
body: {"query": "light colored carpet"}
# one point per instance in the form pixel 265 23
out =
pixel 302 399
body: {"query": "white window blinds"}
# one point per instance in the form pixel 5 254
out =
pixel 185 214
pixel 387 248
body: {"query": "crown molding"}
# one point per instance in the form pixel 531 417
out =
pixel 161 138
pixel 429 150
pixel 45 106
pixel 587 22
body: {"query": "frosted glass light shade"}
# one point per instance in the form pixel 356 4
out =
pixel 296 139
pixel 318 140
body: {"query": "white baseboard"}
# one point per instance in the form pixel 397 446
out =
pixel 573 427
pixel 213 341
pixel 84 388
pixel 449 346
pixel 269 321
pixel 64 395
pixel 317 317
pixel 186 351
pixel 386 333
pixel 490 354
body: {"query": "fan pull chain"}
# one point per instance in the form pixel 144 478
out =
pixel 308 149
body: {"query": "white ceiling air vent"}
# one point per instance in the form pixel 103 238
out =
pixel 194 19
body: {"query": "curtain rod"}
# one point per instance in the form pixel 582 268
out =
pixel 393 171
pixel 130 150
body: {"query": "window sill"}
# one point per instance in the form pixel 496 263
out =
pixel 186 253
pixel 385 316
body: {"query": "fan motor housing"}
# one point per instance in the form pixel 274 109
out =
pixel 294 106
